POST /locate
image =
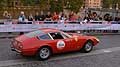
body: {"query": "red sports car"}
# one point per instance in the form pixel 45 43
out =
pixel 45 42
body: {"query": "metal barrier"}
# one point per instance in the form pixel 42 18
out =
pixel 89 27
pixel 65 27
pixel 59 22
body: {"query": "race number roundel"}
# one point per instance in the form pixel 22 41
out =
pixel 60 44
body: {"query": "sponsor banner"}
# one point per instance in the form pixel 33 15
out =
pixel 65 27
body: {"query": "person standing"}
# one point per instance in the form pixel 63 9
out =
pixel 21 18
pixel 48 17
pixel 30 17
pixel 8 18
pixel 37 17
pixel 5 14
pixel 55 17
pixel 42 16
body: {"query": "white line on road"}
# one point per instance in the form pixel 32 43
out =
pixel 24 61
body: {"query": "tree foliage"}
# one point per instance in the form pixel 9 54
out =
pixel 56 5
pixel 110 3
pixel 74 5
pixel 3 3
pixel 115 2
pixel 28 2
pixel 43 4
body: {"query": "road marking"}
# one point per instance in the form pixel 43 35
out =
pixel 95 52
pixel 107 51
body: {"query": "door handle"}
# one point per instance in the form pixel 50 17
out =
pixel 69 40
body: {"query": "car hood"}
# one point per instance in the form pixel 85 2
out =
pixel 81 35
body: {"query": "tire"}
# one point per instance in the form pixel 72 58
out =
pixel 44 53
pixel 88 46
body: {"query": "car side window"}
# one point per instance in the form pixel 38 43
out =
pixel 45 37
pixel 65 35
pixel 56 35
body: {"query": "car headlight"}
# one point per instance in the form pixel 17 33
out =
pixel 20 45
pixel 97 39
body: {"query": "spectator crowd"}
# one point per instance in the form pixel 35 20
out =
pixel 61 16
pixel 55 16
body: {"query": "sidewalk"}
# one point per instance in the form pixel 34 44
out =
pixel 102 33
pixel 7 35
pixel 12 35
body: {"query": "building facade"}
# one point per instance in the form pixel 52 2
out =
pixel 93 3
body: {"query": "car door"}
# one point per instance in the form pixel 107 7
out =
pixel 61 44
pixel 73 42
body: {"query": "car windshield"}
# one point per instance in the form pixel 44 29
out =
pixel 35 33
pixel 66 35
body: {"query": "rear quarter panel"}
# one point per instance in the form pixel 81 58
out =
pixel 35 44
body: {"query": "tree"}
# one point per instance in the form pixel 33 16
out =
pixel 74 5
pixel 53 5
pixel 116 3
pixel 109 3
pixel 56 5
pixel 3 3
pixel 28 2
pixel 43 4
pixel 40 3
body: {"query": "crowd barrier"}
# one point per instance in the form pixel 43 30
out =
pixel 100 26
pixel 60 22
pixel 64 27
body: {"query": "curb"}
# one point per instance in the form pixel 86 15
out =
pixel 102 34
pixel 8 36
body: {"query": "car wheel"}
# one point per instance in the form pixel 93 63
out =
pixel 87 47
pixel 44 53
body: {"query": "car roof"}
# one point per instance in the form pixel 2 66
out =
pixel 49 30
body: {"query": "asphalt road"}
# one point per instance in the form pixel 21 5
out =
pixel 106 54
